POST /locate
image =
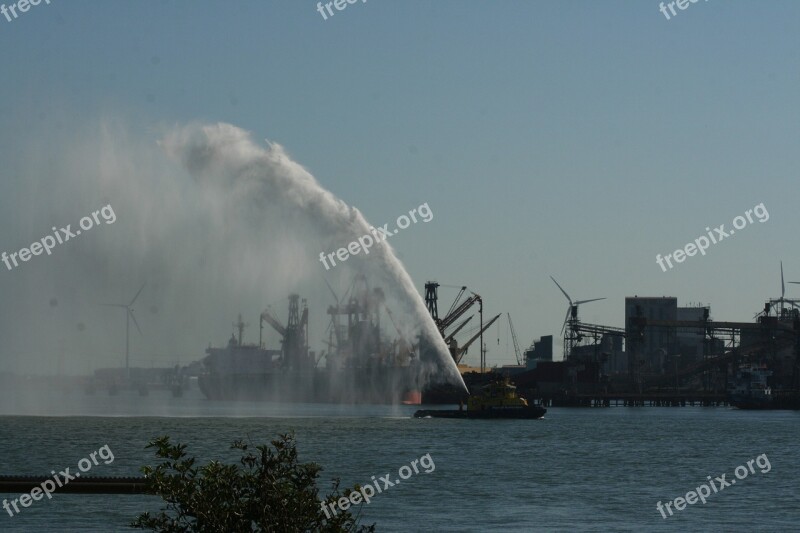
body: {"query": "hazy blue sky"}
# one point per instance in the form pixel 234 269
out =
pixel 569 138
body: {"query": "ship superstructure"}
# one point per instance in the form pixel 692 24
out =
pixel 362 364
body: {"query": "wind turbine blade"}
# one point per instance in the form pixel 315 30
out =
pixel 137 294
pixel 783 287
pixel 795 282
pixel 562 290
pixel 587 301
pixel 130 312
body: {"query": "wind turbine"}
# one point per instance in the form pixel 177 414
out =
pixel 569 341
pixel 795 282
pixel 573 306
pixel 782 299
pixel 128 316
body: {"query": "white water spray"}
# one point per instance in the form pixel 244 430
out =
pixel 224 156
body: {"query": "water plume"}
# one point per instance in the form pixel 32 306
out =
pixel 261 180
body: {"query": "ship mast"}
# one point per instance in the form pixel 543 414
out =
pixel 240 326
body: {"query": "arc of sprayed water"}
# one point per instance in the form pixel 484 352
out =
pixel 225 155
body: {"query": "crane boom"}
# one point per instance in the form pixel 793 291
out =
pixel 455 302
pixel 459 328
pixel 277 326
pixel 463 349
pixel 514 338
pixel 397 329
pixel 460 310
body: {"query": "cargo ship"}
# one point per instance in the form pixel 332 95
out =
pixel 752 391
pixel 361 366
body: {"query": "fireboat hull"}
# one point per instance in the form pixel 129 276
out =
pixel 534 412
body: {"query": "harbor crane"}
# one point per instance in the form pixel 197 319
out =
pixel 456 311
pixel 294 336
pixel 514 339
pixel 461 351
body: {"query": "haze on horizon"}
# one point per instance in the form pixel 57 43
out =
pixel 546 140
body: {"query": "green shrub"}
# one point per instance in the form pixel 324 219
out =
pixel 267 491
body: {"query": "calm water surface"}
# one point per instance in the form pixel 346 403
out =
pixel 576 470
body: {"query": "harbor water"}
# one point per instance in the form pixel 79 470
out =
pixel 589 469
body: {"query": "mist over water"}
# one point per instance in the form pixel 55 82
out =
pixel 214 223
pixel 224 157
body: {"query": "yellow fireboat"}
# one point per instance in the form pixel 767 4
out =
pixel 498 399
